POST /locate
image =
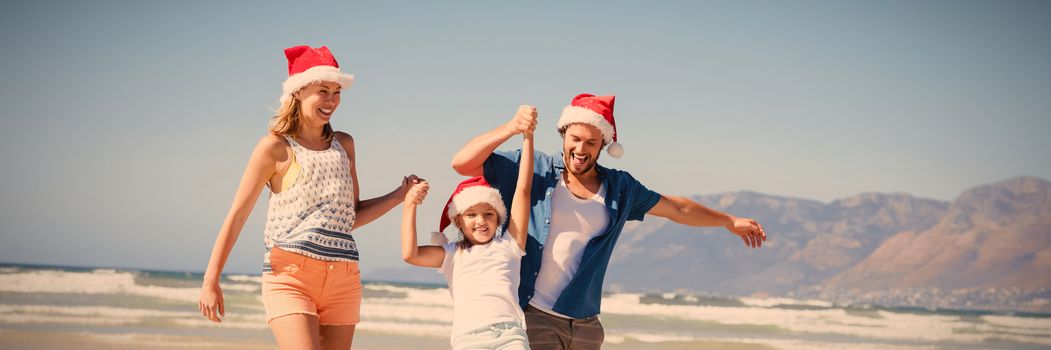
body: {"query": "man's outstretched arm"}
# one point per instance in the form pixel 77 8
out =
pixel 469 161
pixel 687 212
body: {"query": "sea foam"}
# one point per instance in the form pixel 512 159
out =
pixel 888 325
pixel 101 281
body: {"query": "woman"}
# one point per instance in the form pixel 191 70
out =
pixel 311 281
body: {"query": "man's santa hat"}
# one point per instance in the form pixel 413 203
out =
pixel 596 111
pixel 307 65
pixel 468 193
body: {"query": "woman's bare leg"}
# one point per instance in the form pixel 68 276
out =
pixel 296 331
pixel 337 337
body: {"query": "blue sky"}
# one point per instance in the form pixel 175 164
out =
pixel 128 124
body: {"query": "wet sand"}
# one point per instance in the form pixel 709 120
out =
pixel 41 340
pixel 45 340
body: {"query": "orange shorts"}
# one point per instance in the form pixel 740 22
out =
pixel 330 290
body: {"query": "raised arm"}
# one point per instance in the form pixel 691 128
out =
pixel 687 212
pixel 261 167
pixel 519 223
pixel 368 210
pixel 470 159
pixel 426 256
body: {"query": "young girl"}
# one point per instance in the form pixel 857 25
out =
pixel 482 269
pixel 311 284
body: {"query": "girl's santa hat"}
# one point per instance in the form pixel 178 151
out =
pixel 307 65
pixel 468 193
pixel 596 111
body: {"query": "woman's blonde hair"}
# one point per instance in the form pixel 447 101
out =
pixel 287 121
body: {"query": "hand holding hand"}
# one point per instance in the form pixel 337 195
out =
pixel 417 192
pixel 406 183
pixel 749 230
pixel 523 121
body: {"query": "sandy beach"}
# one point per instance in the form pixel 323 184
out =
pixel 83 308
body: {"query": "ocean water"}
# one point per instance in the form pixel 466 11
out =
pixel 53 307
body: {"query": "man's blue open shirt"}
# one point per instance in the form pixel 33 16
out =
pixel 626 199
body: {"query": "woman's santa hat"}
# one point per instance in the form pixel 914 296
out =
pixel 307 65
pixel 468 193
pixel 596 111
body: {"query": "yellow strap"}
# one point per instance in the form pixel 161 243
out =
pixel 291 174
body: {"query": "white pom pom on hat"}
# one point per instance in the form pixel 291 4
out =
pixel 615 150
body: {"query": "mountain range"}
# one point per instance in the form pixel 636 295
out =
pixel 990 248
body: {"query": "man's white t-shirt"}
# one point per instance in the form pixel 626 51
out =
pixel 574 222
pixel 483 281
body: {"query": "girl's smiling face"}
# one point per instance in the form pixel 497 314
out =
pixel 478 223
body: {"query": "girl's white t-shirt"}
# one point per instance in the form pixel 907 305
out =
pixel 483 281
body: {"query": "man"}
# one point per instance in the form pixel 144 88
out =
pixel 578 211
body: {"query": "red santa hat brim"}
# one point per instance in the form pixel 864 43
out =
pixel 469 197
pixel 314 74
